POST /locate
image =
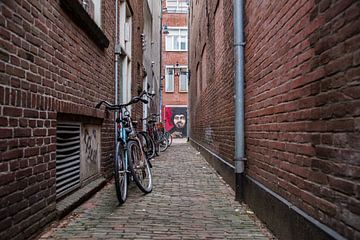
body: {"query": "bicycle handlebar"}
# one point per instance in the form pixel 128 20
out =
pixel 152 115
pixel 120 106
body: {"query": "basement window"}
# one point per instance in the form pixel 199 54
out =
pixel 78 153
pixel 67 158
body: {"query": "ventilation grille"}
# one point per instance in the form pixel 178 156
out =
pixel 67 158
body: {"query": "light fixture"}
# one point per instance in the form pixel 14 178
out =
pixel 177 70
pixel 165 29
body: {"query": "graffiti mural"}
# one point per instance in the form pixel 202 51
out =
pixel 90 150
pixel 176 121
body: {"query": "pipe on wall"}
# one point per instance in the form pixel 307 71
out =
pixel 239 48
pixel 116 63
pixel 161 78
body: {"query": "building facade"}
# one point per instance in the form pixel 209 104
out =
pixel 57 62
pixel 175 66
pixel 302 68
pixel 152 52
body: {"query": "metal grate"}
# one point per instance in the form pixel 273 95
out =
pixel 67 158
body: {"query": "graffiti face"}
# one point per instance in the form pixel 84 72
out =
pixel 175 121
pixel 179 120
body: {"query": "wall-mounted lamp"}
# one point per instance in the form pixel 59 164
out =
pixel 165 29
pixel 143 40
pixel 178 70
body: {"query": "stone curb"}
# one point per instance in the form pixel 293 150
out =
pixel 69 203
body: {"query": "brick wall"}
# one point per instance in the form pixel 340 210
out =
pixel 171 58
pixel 211 60
pixel 302 106
pixel 138 69
pixel 49 69
pixel 301 100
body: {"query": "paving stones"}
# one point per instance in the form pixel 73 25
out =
pixel 189 201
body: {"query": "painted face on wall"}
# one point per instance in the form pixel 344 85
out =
pixel 179 120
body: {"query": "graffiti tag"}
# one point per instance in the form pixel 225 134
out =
pixel 91 145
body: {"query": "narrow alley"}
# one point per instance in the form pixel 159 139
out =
pixel 259 99
pixel 189 201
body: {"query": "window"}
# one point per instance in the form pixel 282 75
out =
pixel 169 79
pixel 183 80
pixel 177 6
pixel 87 15
pixel 125 40
pixel 93 8
pixel 176 39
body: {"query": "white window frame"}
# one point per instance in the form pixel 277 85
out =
pixel 93 8
pixel 125 65
pixel 177 8
pixel 187 78
pixel 97 12
pixel 167 79
pixel 171 36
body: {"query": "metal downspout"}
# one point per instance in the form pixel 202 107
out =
pixel 188 76
pixel 161 79
pixel 239 47
pixel 117 53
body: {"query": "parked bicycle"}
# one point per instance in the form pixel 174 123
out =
pixel 130 157
pixel 155 130
pixel 168 136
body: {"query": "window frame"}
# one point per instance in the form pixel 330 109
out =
pixel 81 17
pixel 177 8
pixel 187 79
pixel 166 78
pixel 172 49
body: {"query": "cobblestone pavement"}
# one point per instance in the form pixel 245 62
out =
pixel 189 201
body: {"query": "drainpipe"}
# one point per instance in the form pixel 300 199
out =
pixel 188 76
pixel 117 54
pixel 239 47
pixel 160 83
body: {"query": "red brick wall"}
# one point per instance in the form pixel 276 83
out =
pixel 211 96
pixel 137 70
pixel 302 106
pixel 49 69
pixel 171 58
pixel 302 100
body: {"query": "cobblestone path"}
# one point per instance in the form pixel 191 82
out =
pixel 189 201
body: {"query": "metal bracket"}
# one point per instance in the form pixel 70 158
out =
pixel 117 49
pixel 242 44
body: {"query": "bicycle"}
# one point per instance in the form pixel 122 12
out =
pixel 160 133
pixel 129 155
pixel 155 131
pixel 168 136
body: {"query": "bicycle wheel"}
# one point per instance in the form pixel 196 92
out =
pixel 120 174
pixel 147 144
pixel 163 142
pixel 139 167
pixel 156 142
pixel 169 138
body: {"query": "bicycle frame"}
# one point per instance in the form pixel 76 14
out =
pixel 122 137
pixel 125 140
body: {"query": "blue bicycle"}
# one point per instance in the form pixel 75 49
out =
pixel 130 157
